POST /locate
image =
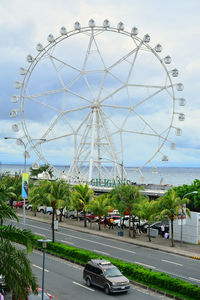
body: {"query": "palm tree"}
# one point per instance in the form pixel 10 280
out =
pixel 75 203
pixel 52 194
pixel 17 273
pixel 169 206
pixel 6 192
pixel 126 198
pixel 148 211
pixel 100 206
pixel 84 194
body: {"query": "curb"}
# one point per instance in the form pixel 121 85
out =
pixel 195 257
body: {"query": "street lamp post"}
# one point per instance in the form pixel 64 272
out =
pixel 44 246
pixel 26 154
pixel 194 192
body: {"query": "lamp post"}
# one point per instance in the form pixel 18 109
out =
pixel 194 192
pixel 44 246
pixel 26 154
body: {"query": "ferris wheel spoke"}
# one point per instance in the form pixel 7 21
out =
pixel 148 86
pixel 59 137
pixel 89 87
pixel 101 86
pixel 122 58
pixel 76 109
pixel 100 55
pixel 146 123
pixel 44 94
pixel 84 120
pixel 133 62
pixel 65 64
pixel 77 95
pixel 149 97
pixel 88 51
pixel 109 118
pixel 113 93
pixel 42 103
pixel 116 106
pixel 116 77
pixel 58 73
pixel 52 125
pixel 142 133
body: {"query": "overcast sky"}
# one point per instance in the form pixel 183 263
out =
pixel 173 24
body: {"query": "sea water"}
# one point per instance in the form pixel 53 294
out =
pixel 167 175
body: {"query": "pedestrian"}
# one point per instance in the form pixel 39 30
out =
pixel 105 222
pixel 163 230
pixel 111 223
pixel 1 296
pixel 166 235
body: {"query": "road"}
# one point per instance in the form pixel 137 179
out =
pixel 177 266
pixel 64 281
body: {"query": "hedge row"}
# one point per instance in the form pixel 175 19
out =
pixel 132 271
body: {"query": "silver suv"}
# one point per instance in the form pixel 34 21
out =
pixel 105 275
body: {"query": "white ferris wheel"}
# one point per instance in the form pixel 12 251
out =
pixel 101 98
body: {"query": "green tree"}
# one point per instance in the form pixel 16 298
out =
pixel 184 189
pixel 84 194
pixel 6 193
pixel 15 266
pixel 126 198
pixel 169 206
pixel 148 211
pixel 75 202
pixel 100 206
pixel 53 194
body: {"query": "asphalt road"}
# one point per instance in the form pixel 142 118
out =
pixel 64 281
pixel 177 266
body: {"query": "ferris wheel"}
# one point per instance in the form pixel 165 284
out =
pixel 98 98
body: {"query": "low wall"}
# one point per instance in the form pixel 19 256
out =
pixel 190 230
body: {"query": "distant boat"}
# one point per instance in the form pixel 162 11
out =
pixel 161 180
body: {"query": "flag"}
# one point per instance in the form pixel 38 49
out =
pixel 25 182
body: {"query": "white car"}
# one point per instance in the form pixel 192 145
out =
pixel 125 222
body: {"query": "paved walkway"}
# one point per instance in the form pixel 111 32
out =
pixel 157 243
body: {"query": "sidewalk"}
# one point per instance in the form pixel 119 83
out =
pixel 158 243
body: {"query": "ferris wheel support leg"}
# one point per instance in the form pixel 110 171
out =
pixel 92 146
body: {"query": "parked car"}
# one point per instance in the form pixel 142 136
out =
pixel 157 225
pixel 29 206
pixel 71 214
pixel 42 209
pixel 20 204
pixel 125 222
pixel 104 274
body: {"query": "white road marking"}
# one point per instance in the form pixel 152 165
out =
pixel 67 242
pixel 194 279
pixel 105 253
pixel 40 268
pixel 39 233
pixel 171 262
pixel 148 266
pixel 85 287
pixel 94 242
